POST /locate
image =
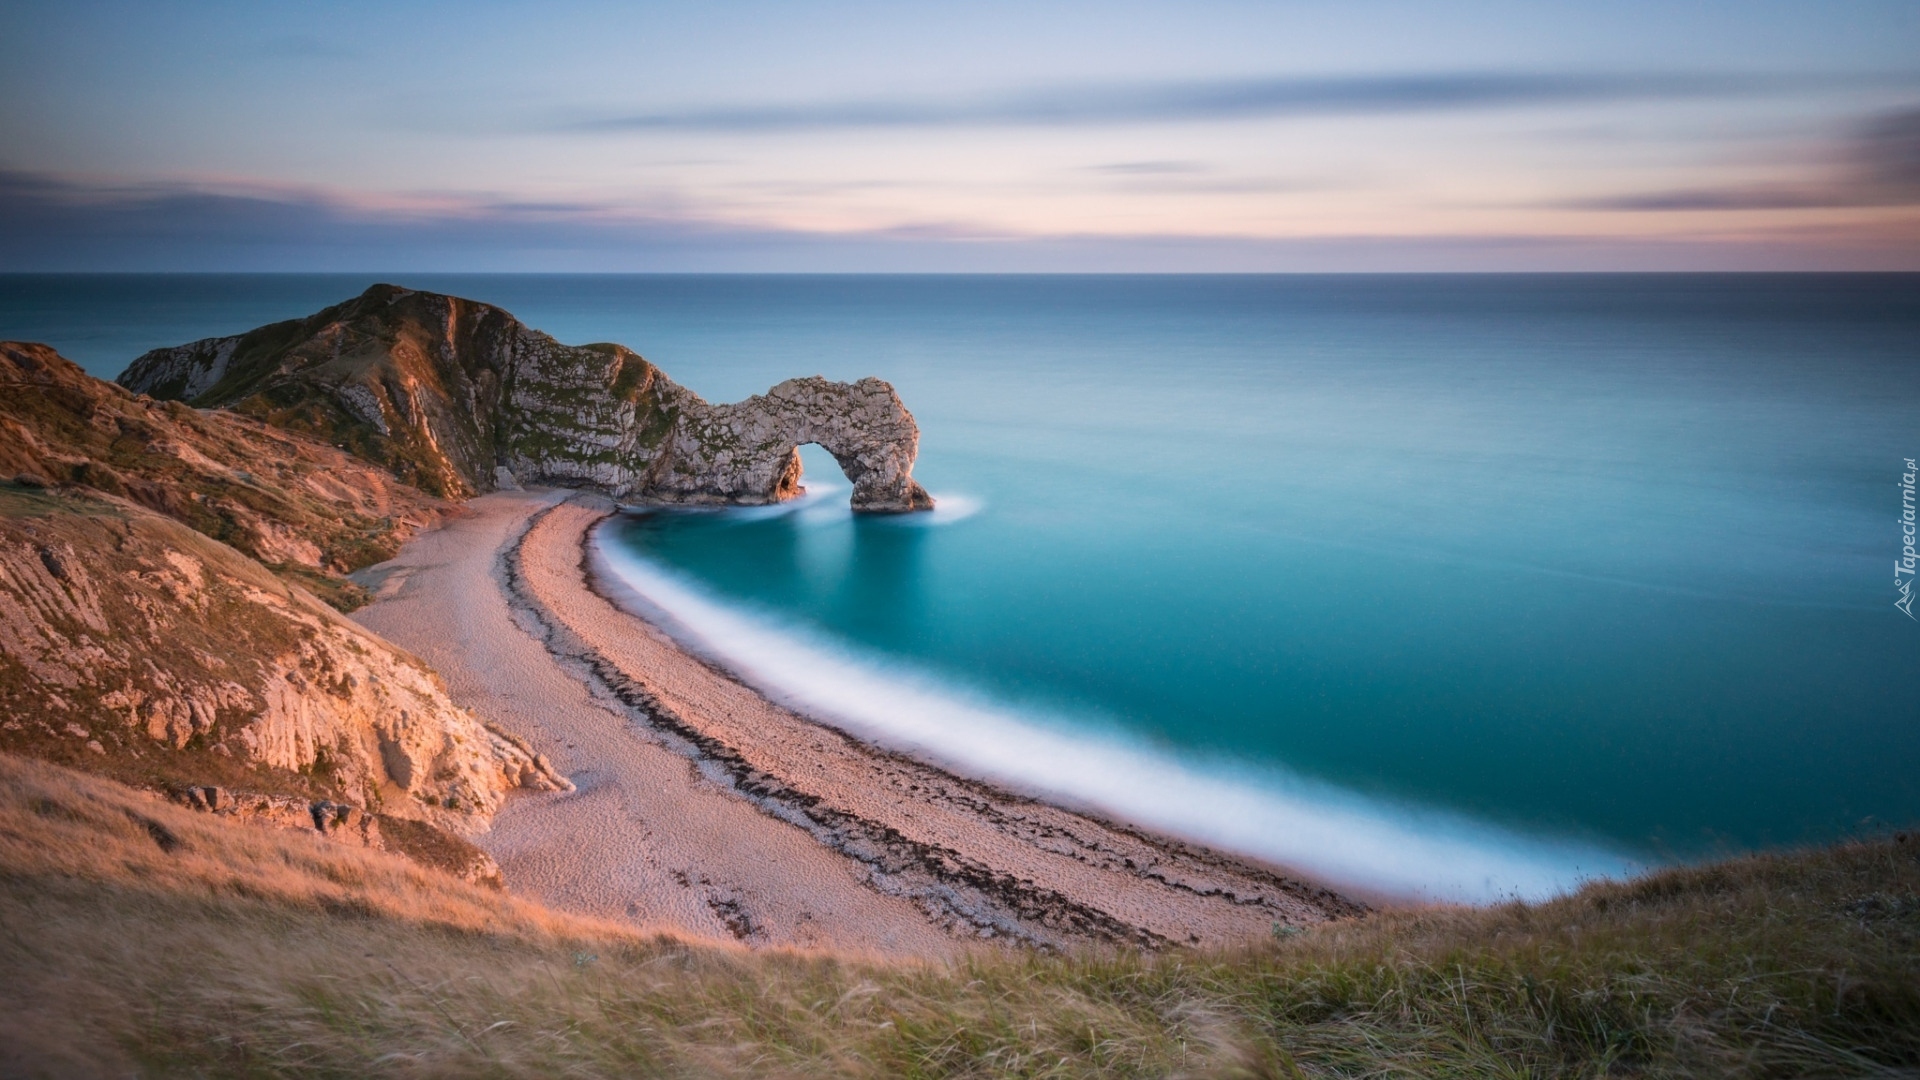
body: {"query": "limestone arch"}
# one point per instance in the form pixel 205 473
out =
pixel 749 451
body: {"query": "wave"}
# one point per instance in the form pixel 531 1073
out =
pixel 821 502
pixel 948 507
pixel 825 502
pixel 1332 834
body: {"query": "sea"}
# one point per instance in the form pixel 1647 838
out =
pixel 1454 586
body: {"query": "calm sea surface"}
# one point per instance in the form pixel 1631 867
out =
pixel 1604 564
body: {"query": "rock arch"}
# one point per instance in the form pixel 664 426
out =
pixel 748 452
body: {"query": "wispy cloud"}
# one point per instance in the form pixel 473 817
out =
pixel 50 223
pixel 1759 197
pixel 1888 152
pixel 1880 166
pixel 1149 168
pixel 1218 100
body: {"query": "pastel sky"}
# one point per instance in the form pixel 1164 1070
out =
pixel 847 136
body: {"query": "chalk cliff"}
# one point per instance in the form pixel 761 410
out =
pixel 134 646
pixel 448 393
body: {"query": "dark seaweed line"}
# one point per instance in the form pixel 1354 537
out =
pixel 892 859
pixel 996 805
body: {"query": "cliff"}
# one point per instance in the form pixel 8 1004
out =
pixel 448 392
pixel 133 646
pixel 306 509
pixel 159 623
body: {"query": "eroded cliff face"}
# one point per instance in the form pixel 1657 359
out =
pixel 747 452
pixel 133 646
pixel 446 391
pixel 307 509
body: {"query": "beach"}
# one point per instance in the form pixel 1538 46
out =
pixel 704 808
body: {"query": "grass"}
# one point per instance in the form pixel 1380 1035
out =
pixel 137 937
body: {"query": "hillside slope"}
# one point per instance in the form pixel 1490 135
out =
pixel 133 646
pixel 307 509
pixel 144 939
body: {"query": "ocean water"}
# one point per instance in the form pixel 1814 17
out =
pixel 1460 585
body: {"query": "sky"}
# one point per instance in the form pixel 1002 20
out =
pixel 980 136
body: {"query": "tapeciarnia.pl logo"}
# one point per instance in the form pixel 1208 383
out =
pixel 1904 564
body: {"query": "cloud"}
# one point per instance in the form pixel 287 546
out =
pixel 1149 168
pixel 1733 198
pixel 1199 178
pixel 51 223
pixel 1879 167
pixel 1218 100
pixel 1888 152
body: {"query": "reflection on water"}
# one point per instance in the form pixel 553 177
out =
pixel 864 570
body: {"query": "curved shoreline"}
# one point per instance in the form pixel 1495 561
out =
pixel 969 861
pixel 969 853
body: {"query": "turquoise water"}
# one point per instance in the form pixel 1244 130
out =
pixel 1600 566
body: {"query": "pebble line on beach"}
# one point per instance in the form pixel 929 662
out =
pixel 964 895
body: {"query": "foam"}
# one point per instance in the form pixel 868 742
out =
pixel 948 507
pixel 822 502
pixel 1317 828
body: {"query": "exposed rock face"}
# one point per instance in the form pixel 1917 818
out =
pixel 309 510
pixel 748 452
pixel 348 824
pixel 134 646
pixel 343 822
pixel 446 391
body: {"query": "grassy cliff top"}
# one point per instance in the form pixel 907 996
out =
pixel 142 938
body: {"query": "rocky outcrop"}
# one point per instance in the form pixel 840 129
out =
pixel 748 452
pixel 345 823
pixel 133 646
pixel 446 392
pixel 339 821
pixel 307 509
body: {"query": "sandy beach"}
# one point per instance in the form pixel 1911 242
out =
pixel 702 807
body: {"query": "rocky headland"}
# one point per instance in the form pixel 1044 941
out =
pixel 132 643
pixel 458 397
pixel 306 509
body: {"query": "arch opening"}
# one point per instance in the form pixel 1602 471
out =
pixel 822 474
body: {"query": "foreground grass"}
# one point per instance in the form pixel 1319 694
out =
pixel 228 951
